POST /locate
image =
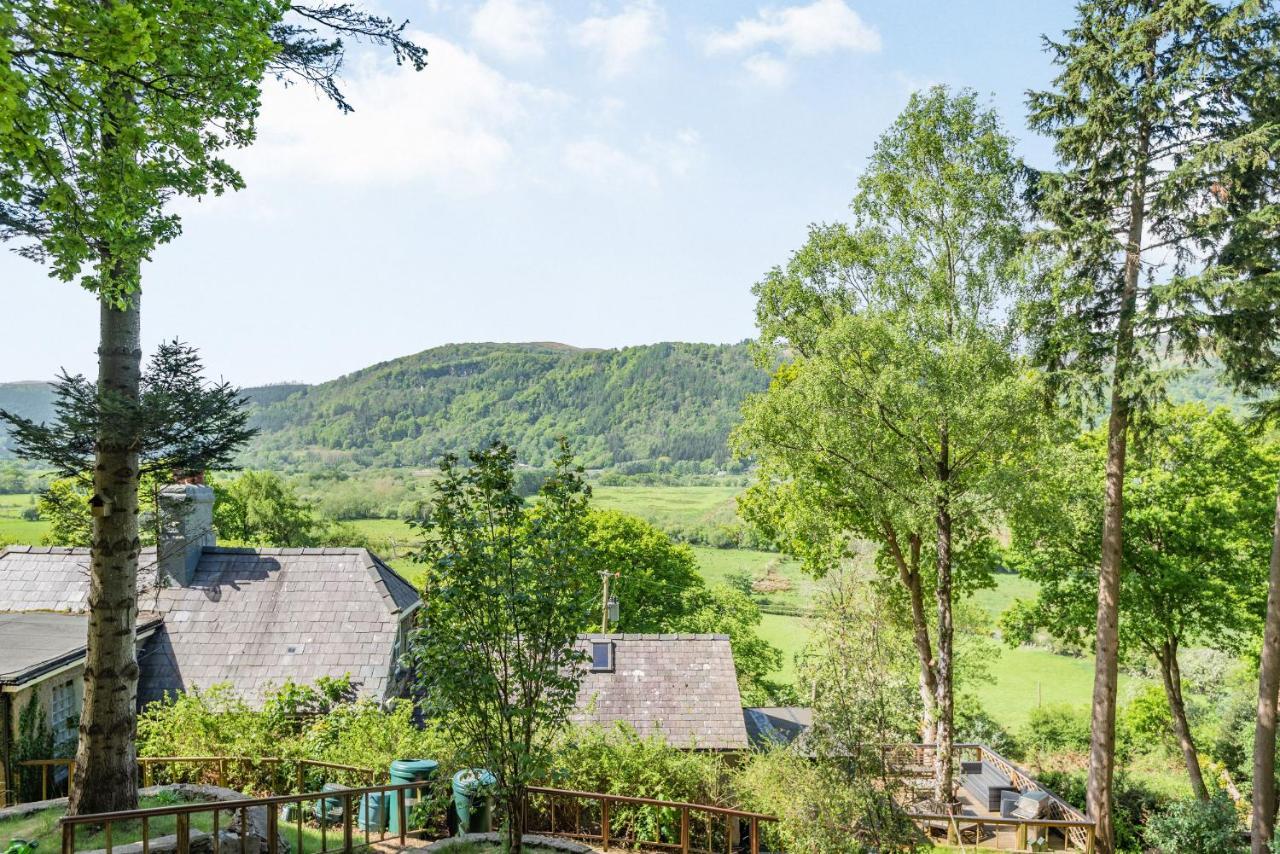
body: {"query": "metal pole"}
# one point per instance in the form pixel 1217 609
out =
pixel 604 604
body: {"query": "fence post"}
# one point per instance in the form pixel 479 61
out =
pixel 346 824
pixel 604 823
pixel 184 833
pixel 273 833
pixel 222 772
pixel 684 830
pixel 44 782
pixel 404 817
pixel 1020 836
pixel 68 838
pixel 1089 839
pixel 301 775
pixel 755 835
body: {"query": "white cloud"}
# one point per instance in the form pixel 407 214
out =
pixel 512 29
pixel 823 26
pixel 610 166
pixel 621 40
pixel 451 124
pixel 768 69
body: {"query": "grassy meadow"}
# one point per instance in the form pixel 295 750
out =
pixel 1019 678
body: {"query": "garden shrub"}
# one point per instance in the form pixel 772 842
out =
pixel 974 725
pixel 1057 728
pixel 1134 802
pixel 321 722
pixel 820 807
pixel 619 761
pixel 35 741
pixel 1197 827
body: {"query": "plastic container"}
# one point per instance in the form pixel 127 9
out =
pixel 471 799
pixel 409 771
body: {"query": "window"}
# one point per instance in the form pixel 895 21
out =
pixel 602 656
pixel 64 716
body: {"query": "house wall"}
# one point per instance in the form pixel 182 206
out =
pixel 65 732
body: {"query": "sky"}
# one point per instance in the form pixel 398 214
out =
pixel 601 174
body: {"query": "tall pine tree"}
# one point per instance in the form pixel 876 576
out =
pixel 1146 114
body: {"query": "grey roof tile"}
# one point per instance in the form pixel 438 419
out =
pixel 683 686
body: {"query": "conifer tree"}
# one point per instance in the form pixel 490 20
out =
pixel 1147 115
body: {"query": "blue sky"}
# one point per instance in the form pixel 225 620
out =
pixel 597 173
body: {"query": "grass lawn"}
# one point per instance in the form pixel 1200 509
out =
pixel 15 529
pixel 720 566
pixel 42 827
pixel 1025 677
pixel 788 634
pixel 670 505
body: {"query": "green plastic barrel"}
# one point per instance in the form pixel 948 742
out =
pixel 409 771
pixel 471 800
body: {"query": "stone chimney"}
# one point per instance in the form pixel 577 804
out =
pixel 186 527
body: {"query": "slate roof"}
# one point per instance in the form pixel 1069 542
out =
pixel 251 617
pixel 772 725
pixel 682 686
pixel 33 643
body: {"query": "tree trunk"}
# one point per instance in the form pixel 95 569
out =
pixel 1264 733
pixel 909 574
pixel 1102 741
pixel 515 819
pixel 946 631
pixel 106 777
pixel 1172 675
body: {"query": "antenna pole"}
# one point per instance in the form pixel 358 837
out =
pixel 604 604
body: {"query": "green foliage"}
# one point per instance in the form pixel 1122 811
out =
pixel 259 508
pixel 1135 803
pixel 659 589
pixel 1057 728
pixel 34 741
pixel 508 586
pixel 821 807
pixel 1146 720
pixel 658 409
pixel 975 726
pixel 1197 827
pixel 1197 511
pixel 65 506
pixel 619 761
pixel 322 722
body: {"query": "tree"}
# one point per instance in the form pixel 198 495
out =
pixel 507 589
pixel 259 508
pixel 107 112
pixel 898 413
pixel 65 506
pixel 1197 499
pixel 1145 118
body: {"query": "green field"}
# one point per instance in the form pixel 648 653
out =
pixel 667 506
pixel 1020 678
pixel 15 529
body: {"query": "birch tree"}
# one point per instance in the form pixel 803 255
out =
pixel 898 413
pixel 108 111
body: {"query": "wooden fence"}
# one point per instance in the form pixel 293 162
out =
pixel 594 817
pixel 214 770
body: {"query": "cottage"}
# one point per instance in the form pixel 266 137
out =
pixel 253 618
pixel 684 687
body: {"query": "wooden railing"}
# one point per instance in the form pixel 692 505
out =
pixel 605 825
pixel 217 770
pixel 238 823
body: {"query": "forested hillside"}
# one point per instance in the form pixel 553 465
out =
pixel 621 408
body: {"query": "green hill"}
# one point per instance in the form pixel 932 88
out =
pixel 621 408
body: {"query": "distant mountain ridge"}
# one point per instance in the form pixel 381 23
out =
pixel 625 409
pixel 620 408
